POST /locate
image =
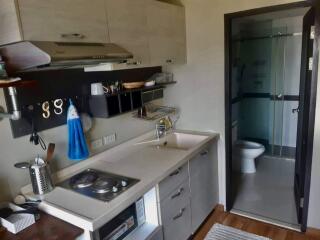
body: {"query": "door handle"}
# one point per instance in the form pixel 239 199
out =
pixel 294 110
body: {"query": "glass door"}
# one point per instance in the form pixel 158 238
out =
pixel 277 97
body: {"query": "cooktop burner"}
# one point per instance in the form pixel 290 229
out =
pixel 99 185
pixel 105 184
pixel 82 180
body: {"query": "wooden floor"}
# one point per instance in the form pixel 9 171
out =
pixel 252 226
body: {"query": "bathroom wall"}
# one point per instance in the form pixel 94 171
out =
pixel 269 67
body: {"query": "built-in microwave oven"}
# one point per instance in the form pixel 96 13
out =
pixel 123 224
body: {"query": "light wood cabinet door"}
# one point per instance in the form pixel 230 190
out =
pixel 127 21
pixel 9 23
pixel 179 35
pixel 166 23
pixel 203 185
pixel 64 20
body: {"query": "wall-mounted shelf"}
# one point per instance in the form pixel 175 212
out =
pixel 110 105
pixel 16 82
pixel 143 89
pixel 51 85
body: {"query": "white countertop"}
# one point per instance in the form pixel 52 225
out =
pixel 148 164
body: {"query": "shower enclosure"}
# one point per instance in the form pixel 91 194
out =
pixel 265 81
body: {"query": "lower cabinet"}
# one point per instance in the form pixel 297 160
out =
pixel 203 185
pixel 176 213
pixel 191 197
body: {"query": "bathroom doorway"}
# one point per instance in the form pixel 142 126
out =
pixel 270 94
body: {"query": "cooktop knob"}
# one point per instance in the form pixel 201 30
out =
pixel 114 189
pixel 124 183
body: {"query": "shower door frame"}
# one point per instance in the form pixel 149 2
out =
pixel 228 101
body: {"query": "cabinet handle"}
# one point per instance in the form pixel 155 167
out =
pixel 204 153
pixel 73 35
pixel 178 193
pixel 176 172
pixel 169 61
pixel 134 63
pixel 179 215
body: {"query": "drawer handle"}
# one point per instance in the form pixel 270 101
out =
pixel 179 215
pixel 204 153
pixel 73 35
pixel 178 193
pixel 169 61
pixel 176 172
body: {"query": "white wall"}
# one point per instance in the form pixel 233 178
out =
pixel 200 88
pixel 314 209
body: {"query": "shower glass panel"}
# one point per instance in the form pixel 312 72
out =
pixel 277 92
pixel 258 85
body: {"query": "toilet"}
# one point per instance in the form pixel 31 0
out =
pixel 244 152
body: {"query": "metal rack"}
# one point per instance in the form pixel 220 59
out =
pixel 155 112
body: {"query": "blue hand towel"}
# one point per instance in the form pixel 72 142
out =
pixel 77 149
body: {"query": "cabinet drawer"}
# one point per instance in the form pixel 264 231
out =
pixel 177 198
pixel 171 182
pixel 177 225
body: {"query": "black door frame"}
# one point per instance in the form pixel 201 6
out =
pixel 228 104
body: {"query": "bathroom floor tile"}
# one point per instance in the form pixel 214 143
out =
pixel 269 192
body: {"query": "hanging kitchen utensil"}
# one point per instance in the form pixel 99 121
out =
pixel 50 151
pixel 35 138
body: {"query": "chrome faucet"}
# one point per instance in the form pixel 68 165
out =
pixel 164 125
pixel 160 130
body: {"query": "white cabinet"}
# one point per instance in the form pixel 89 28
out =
pixel 64 20
pixel 175 205
pixel 127 20
pixel 167 36
pixel 187 198
pixel 203 185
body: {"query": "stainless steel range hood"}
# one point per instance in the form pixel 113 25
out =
pixel 26 55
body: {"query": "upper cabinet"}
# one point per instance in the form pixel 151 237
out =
pixel 127 20
pixel 167 33
pixel 9 24
pixel 64 20
pixel 154 31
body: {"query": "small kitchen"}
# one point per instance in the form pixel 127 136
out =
pixel 91 145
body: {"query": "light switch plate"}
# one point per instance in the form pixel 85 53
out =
pixel 97 144
pixel 108 140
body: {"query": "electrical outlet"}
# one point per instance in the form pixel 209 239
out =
pixel 108 140
pixel 97 144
